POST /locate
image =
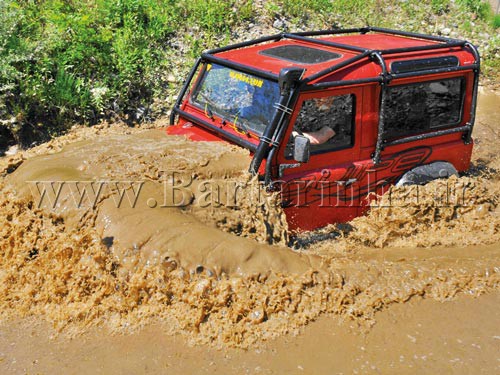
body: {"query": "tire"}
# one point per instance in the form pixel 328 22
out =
pixel 425 173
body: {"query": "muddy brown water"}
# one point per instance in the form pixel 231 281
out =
pixel 421 336
pixel 206 273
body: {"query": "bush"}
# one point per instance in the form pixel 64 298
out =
pixel 84 60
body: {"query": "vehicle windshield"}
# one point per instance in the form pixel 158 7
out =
pixel 245 100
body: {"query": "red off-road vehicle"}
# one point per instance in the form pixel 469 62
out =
pixel 330 116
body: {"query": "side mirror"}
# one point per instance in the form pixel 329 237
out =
pixel 301 149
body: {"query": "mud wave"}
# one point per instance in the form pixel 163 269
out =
pixel 207 269
pixel 441 213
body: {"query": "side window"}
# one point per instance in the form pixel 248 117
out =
pixel 328 122
pixel 417 108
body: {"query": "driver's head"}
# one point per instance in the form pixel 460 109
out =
pixel 325 103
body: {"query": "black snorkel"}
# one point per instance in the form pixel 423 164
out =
pixel 288 82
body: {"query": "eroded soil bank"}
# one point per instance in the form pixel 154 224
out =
pixel 207 271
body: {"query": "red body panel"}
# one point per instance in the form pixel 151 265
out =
pixel 193 132
pixel 319 197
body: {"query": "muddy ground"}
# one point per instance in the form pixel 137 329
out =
pixel 96 288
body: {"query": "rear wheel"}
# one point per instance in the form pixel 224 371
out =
pixel 425 173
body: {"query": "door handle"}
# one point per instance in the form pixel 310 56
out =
pixel 282 167
pixel 347 182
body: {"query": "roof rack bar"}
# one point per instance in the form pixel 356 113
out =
pixel 363 52
pixel 419 137
pixel 385 79
pixel 331 32
pixel 363 30
pixel 184 89
pixel 325 43
pixel 422 48
pixel 472 119
pixel 336 67
pixel 326 85
pixel 264 39
pixel 243 68
pixel 434 71
pixel 412 35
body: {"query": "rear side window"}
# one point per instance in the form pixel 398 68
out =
pixel 422 107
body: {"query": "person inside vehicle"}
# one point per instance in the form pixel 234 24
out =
pixel 314 121
pixel 318 137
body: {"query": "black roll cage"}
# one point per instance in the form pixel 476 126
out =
pixel 362 53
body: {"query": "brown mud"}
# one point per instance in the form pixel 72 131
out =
pixel 206 269
pixel 421 336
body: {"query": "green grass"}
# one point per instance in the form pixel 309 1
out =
pixel 84 60
pixel 80 61
pixel 480 8
pixel 496 21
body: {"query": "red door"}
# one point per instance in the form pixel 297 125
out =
pixel 325 189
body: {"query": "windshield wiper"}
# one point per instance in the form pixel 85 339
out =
pixel 241 126
pixel 208 102
pixel 208 112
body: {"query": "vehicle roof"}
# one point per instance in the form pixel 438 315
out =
pixel 252 55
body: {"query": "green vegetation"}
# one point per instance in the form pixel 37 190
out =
pixel 496 21
pixel 81 61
